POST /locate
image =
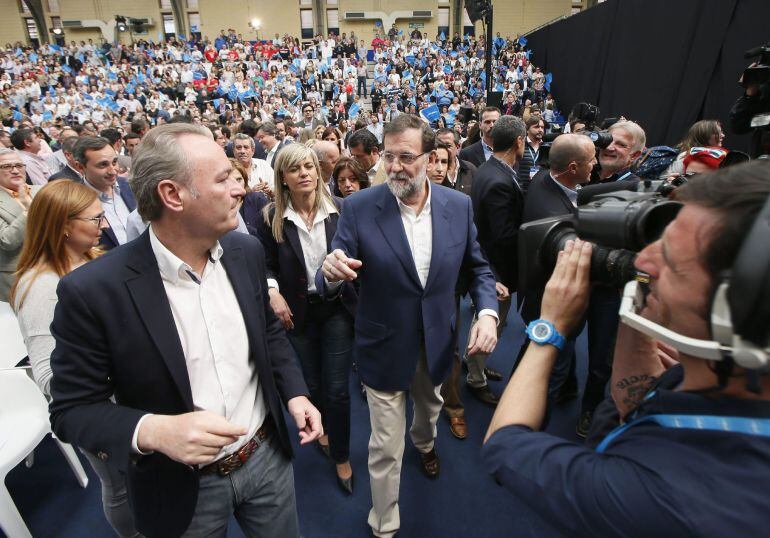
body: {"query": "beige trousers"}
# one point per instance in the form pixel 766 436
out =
pixel 387 413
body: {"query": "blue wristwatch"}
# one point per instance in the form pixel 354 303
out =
pixel 542 332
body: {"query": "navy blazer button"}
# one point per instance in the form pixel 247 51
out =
pixel 102 455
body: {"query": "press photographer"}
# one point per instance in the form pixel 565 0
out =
pixel 751 112
pixel 689 380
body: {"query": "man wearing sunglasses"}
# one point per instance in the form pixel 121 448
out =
pixel 407 242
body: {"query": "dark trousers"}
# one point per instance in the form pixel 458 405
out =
pixel 602 319
pixel 324 347
pixel 450 388
pixel 361 90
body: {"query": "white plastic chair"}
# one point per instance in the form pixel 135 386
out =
pixel 23 424
pixel 13 348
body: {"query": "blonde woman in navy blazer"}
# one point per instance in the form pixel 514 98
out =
pixel 296 232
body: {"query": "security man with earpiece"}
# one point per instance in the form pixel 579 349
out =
pixel 690 381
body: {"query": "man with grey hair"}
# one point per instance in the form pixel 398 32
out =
pixel 177 325
pixel 328 154
pixel 498 203
pixel 628 141
pixel 261 176
pixel 406 326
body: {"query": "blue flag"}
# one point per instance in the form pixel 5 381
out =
pixel 19 52
pixel 33 57
pixel 311 79
pixel 47 115
pixel 87 97
pixel 109 92
pixel 197 75
pixel 442 36
pixel 186 58
pixel 182 37
pixel 216 103
pixel 548 80
pixel 232 94
pixel 51 91
pixel 450 118
pixel 17 116
pixel 56 48
pixel 431 113
pixel 66 69
pixel 409 59
pixel 447 69
pixel 523 41
pixel 353 111
pixel 160 37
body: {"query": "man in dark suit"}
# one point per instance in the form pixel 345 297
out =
pixel 177 326
pixel 498 203
pixel 460 173
pixel 70 170
pixel 479 153
pixel 407 241
pixel 267 136
pixel 97 162
pixel 71 61
pixel 553 193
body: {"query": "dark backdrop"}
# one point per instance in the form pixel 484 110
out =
pixel 663 63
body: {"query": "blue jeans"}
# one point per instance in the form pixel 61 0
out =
pixel 324 347
pixel 260 495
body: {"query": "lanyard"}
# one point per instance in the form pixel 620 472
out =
pixel 748 426
pixel 624 176
pixel 534 154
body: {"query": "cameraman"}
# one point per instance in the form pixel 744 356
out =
pixel 755 100
pixel 650 480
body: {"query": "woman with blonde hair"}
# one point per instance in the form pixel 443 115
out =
pixel 64 225
pixel 295 232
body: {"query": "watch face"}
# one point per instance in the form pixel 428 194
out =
pixel 541 331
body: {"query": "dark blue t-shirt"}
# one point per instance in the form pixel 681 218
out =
pixel 650 481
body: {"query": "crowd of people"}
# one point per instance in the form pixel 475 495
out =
pixel 266 233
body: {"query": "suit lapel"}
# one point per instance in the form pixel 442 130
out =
pixel 330 226
pixel 9 205
pixel 389 221
pixel 292 236
pixel 149 296
pixel 560 194
pixel 440 230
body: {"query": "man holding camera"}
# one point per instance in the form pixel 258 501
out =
pixel 697 432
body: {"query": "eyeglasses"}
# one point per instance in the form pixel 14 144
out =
pixel 10 166
pixel 96 220
pixel 403 158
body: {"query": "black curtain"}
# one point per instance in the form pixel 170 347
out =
pixel 662 63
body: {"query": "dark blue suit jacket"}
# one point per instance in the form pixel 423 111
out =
pixel 286 264
pixel 115 334
pixel 109 241
pixel 396 317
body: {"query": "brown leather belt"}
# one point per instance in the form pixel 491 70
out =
pixel 236 460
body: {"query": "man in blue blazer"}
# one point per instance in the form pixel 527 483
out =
pixel 177 327
pixel 407 242
pixel 97 161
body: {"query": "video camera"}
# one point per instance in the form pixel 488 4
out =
pixel 619 224
pixel 759 75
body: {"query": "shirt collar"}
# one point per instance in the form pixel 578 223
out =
pixel 104 197
pixel 174 269
pixel 326 209
pixel 571 194
pixel 507 166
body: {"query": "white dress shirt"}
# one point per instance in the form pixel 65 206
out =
pixel 214 341
pixel 261 172
pixel 419 235
pixel 313 241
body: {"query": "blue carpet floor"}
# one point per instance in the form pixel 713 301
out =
pixel 463 502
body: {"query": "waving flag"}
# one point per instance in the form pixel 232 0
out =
pixel 548 80
pixel 523 41
pixel 431 113
pixel 47 115
pixel 33 57
pixel 353 111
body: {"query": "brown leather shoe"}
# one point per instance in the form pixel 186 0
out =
pixel 457 427
pixel 430 463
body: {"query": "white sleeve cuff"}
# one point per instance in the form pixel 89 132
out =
pixel 135 437
pixel 273 283
pixel 490 312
